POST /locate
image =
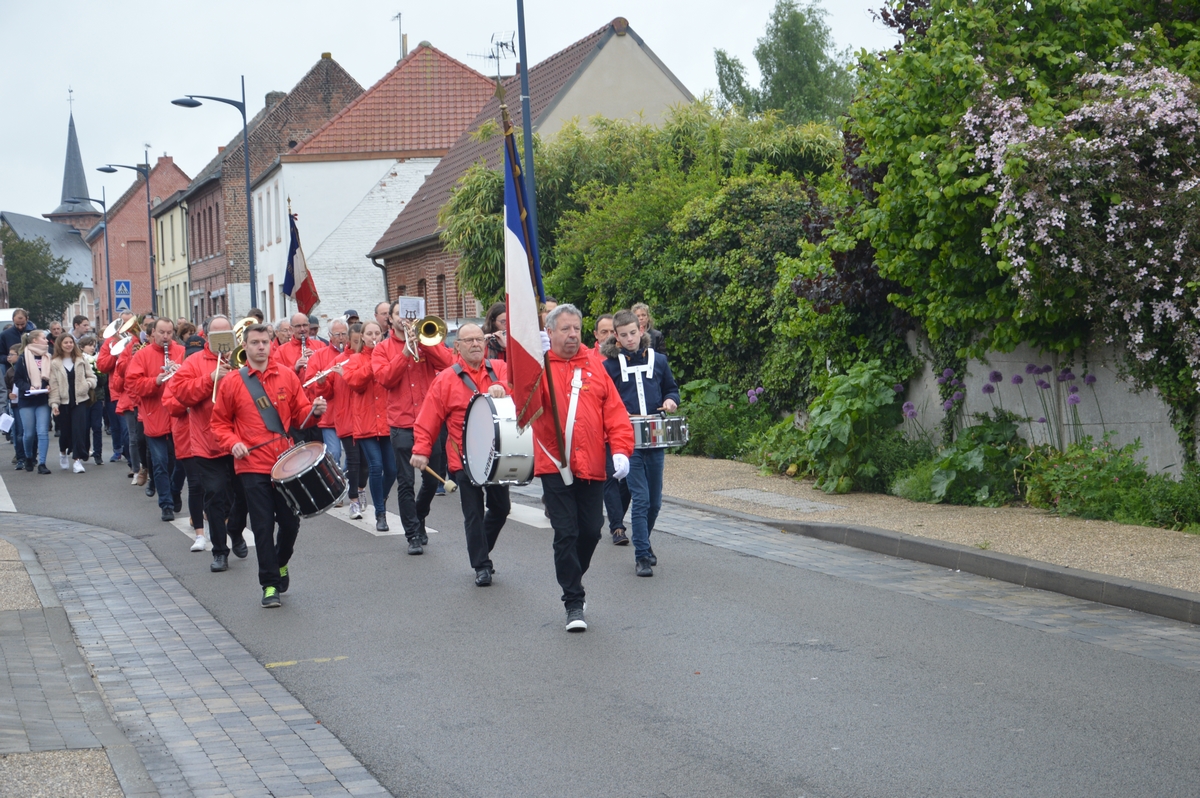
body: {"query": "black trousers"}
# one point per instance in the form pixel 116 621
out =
pixel 357 471
pixel 268 509
pixel 73 430
pixel 195 485
pixel 138 457
pixel 576 513
pixel 224 501
pixel 413 510
pixel 482 527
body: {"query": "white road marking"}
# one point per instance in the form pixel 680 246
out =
pixel 529 516
pixel 6 502
pixel 184 525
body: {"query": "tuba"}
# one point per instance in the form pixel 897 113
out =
pixel 129 331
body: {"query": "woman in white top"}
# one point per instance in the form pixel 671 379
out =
pixel 71 380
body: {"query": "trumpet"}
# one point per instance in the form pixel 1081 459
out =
pixel 429 331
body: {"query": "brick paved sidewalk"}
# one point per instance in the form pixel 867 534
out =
pixel 203 716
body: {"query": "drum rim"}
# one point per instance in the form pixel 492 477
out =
pixel 492 459
pixel 324 452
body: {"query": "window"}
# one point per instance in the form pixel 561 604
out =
pixel 258 225
pixel 443 308
pixel 271 294
pixel 421 293
pixel 267 218
pixel 173 235
pixel 162 254
pixel 278 227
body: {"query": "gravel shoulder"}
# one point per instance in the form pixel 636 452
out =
pixel 1157 556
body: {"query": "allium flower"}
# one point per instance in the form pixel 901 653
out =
pixel 1031 368
pixel 1062 376
pixel 948 373
pixel 946 405
pixel 909 410
pixel 1074 399
pixel 898 388
pixel 1017 379
pixel 989 388
pixel 1073 389
pixel 759 390
pixel 752 398
pixel 1070 376
pixel 995 376
pixel 1046 369
pixel 955 383
pixel 958 396
pixel 1089 379
pixel 1045 386
pixel 750 393
pixel 1042 420
pixel 941 380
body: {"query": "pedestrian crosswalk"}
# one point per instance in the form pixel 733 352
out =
pixel 6 502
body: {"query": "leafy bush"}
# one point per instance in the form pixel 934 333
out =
pixel 780 448
pixel 915 483
pixel 721 419
pixel 1089 479
pixel 981 467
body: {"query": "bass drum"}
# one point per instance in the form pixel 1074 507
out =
pixel 309 479
pixel 493 451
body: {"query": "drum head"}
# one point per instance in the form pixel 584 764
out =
pixel 479 438
pixel 297 460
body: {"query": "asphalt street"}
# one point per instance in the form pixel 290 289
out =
pixel 723 675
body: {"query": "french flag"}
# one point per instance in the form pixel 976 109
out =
pixel 298 282
pixel 522 271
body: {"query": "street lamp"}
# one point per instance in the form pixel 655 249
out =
pixel 193 101
pixel 108 288
pixel 144 171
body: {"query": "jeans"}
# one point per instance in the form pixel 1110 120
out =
pixel 576 513
pixel 616 497
pixel 333 444
pixel 73 430
pixel 120 435
pixel 162 462
pixel 224 501
pixel 482 527
pixel 414 510
pixel 356 467
pixel 267 508
pixel 18 433
pixel 382 462
pixel 645 487
pixel 95 423
pixel 35 423
pixel 190 466
pixel 134 429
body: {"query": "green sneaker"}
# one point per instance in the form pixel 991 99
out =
pixel 270 597
pixel 283 579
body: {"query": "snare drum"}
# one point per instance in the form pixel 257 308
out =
pixel 659 432
pixel 493 451
pixel 309 479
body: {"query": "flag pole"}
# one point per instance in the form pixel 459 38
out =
pixel 509 141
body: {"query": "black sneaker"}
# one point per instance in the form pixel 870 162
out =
pixel 414 546
pixel 28 465
pixel 424 537
pixel 284 579
pixel 483 577
pixel 643 568
pixel 41 469
pixel 652 558
pixel 150 489
pixel 178 499
pixel 619 537
pixel 20 465
pixel 270 597
pixel 381 522
pixel 99 459
pixel 240 549
pixel 575 621
pixel 168 514
pixel 220 562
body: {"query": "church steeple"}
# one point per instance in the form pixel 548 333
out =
pixel 74 178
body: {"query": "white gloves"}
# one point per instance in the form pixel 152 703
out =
pixel 545 342
pixel 620 466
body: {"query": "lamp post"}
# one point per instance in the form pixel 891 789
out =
pixel 193 101
pixel 144 171
pixel 108 287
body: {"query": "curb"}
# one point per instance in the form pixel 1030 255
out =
pixel 1166 602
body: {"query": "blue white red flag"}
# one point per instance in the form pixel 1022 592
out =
pixel 522 272
pixel 297 281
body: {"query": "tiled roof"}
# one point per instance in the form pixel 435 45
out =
pixel 65 242
pixel 424 103
pixel 418 221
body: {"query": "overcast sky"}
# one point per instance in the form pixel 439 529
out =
pixel 126 60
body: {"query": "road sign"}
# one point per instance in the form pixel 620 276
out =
pixel 122 304
pixel 122 288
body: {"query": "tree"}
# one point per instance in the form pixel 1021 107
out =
pixel 35 278
pixel 803 77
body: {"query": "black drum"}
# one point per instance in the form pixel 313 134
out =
pixel 309 479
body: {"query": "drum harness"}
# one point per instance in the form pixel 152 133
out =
pixel 638 371
pixel 564 468
pixel 470 383
pixel 270 415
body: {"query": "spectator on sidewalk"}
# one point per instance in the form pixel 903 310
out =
pixel 96 410
pixel 71 383
pixel 646 326
pixel 32 379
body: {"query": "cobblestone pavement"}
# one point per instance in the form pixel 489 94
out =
pixel 1169 642
pixel 204 716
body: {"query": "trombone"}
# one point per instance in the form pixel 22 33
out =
pixel 429 331
pixel 228 346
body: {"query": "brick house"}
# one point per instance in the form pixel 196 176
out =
pixel 348 180
pixel 218 253
pixel 610 73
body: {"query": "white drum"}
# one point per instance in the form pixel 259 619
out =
pixel 493 452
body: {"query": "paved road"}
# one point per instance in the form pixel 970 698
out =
pixel 762 665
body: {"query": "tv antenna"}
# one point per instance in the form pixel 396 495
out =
pixel 398 19
pixel 503 48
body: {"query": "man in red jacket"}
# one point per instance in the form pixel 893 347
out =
pixel 407 382
pixel 446 403
pixel 591 413
pixel 241 427
pixel 152 366
pixel 106 363
pixel 224 499
pixel 303 345
pixel 332 356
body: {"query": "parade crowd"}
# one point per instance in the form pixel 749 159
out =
pixel 388 408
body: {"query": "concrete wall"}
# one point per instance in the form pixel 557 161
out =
pixel 1125 412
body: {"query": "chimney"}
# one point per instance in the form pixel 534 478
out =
pixel 220 149
pixel 326 56
pixel 274 97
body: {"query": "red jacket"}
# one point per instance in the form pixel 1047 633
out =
pixel 105 362
pixel 446 403
pixel 289 353
pixel 600 418
pixel 192 388
pixel 141 380
pixel 125 400
pixel 236 418
pixel 368 399
pixel 406 380
pixel 325 357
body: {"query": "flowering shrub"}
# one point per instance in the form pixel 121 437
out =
pixel 981 467
pixel 721 419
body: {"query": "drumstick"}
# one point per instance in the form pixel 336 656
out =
pixel 450 485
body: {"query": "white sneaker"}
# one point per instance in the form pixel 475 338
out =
pixel 78 467
pixel 199 544
pixel 64 462
pixel 356 510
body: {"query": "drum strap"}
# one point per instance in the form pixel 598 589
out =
pixel 466 378
pixel 638 372
pixel 270 415
pixel 564 468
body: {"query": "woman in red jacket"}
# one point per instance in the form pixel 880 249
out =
pixel 369 406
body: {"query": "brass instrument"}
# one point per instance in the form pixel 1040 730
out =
pixel 228 346
pixel 130 331
pixel 112 329
pixel 429 331
pixel 170 367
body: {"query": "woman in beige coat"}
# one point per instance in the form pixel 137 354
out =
pixel 71 381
